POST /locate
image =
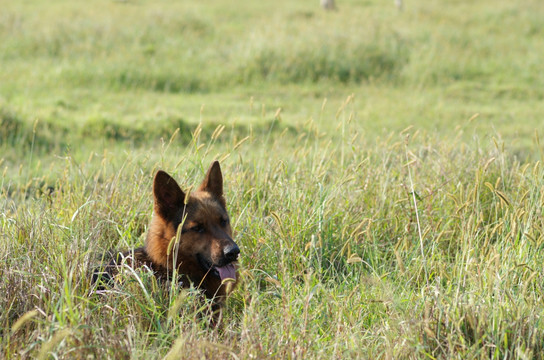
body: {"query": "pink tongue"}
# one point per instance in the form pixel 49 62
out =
pixel 227 271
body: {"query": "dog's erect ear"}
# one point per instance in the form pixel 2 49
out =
pixel 213 182
pixel 168 195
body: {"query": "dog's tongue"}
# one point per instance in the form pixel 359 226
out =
pixel 227 272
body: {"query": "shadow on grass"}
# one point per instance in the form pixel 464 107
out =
pixel 48 135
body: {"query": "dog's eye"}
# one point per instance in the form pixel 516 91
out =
pixel 224 222
pixel 197 228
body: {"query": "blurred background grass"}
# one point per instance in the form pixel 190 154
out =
pixel 84 69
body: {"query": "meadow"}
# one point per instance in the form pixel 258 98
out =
pixel 383 172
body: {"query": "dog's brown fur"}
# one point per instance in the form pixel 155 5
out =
pixel 205 243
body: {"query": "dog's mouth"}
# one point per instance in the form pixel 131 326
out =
pixel 227 271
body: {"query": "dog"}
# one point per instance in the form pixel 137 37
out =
pixel 190 233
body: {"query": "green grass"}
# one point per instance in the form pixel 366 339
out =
pixel 383 172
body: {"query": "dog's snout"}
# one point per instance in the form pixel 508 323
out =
pixel 231 252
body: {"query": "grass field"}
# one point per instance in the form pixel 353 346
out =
pixel 383 171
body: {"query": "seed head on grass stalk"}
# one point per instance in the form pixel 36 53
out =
pixel 416 212
pixel 49 346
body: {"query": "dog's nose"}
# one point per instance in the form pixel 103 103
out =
pixel 231 252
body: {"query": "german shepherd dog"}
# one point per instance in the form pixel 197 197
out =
pixel 189 233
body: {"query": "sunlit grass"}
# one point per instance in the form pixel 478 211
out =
pixel 382 170
pixel 333 263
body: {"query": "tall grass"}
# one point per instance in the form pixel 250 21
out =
pixel 382 170
pixel 331 259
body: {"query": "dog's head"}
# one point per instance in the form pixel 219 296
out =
pixel 205 252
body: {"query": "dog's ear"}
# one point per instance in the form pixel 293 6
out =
pixel 213 182
pixel 168 195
